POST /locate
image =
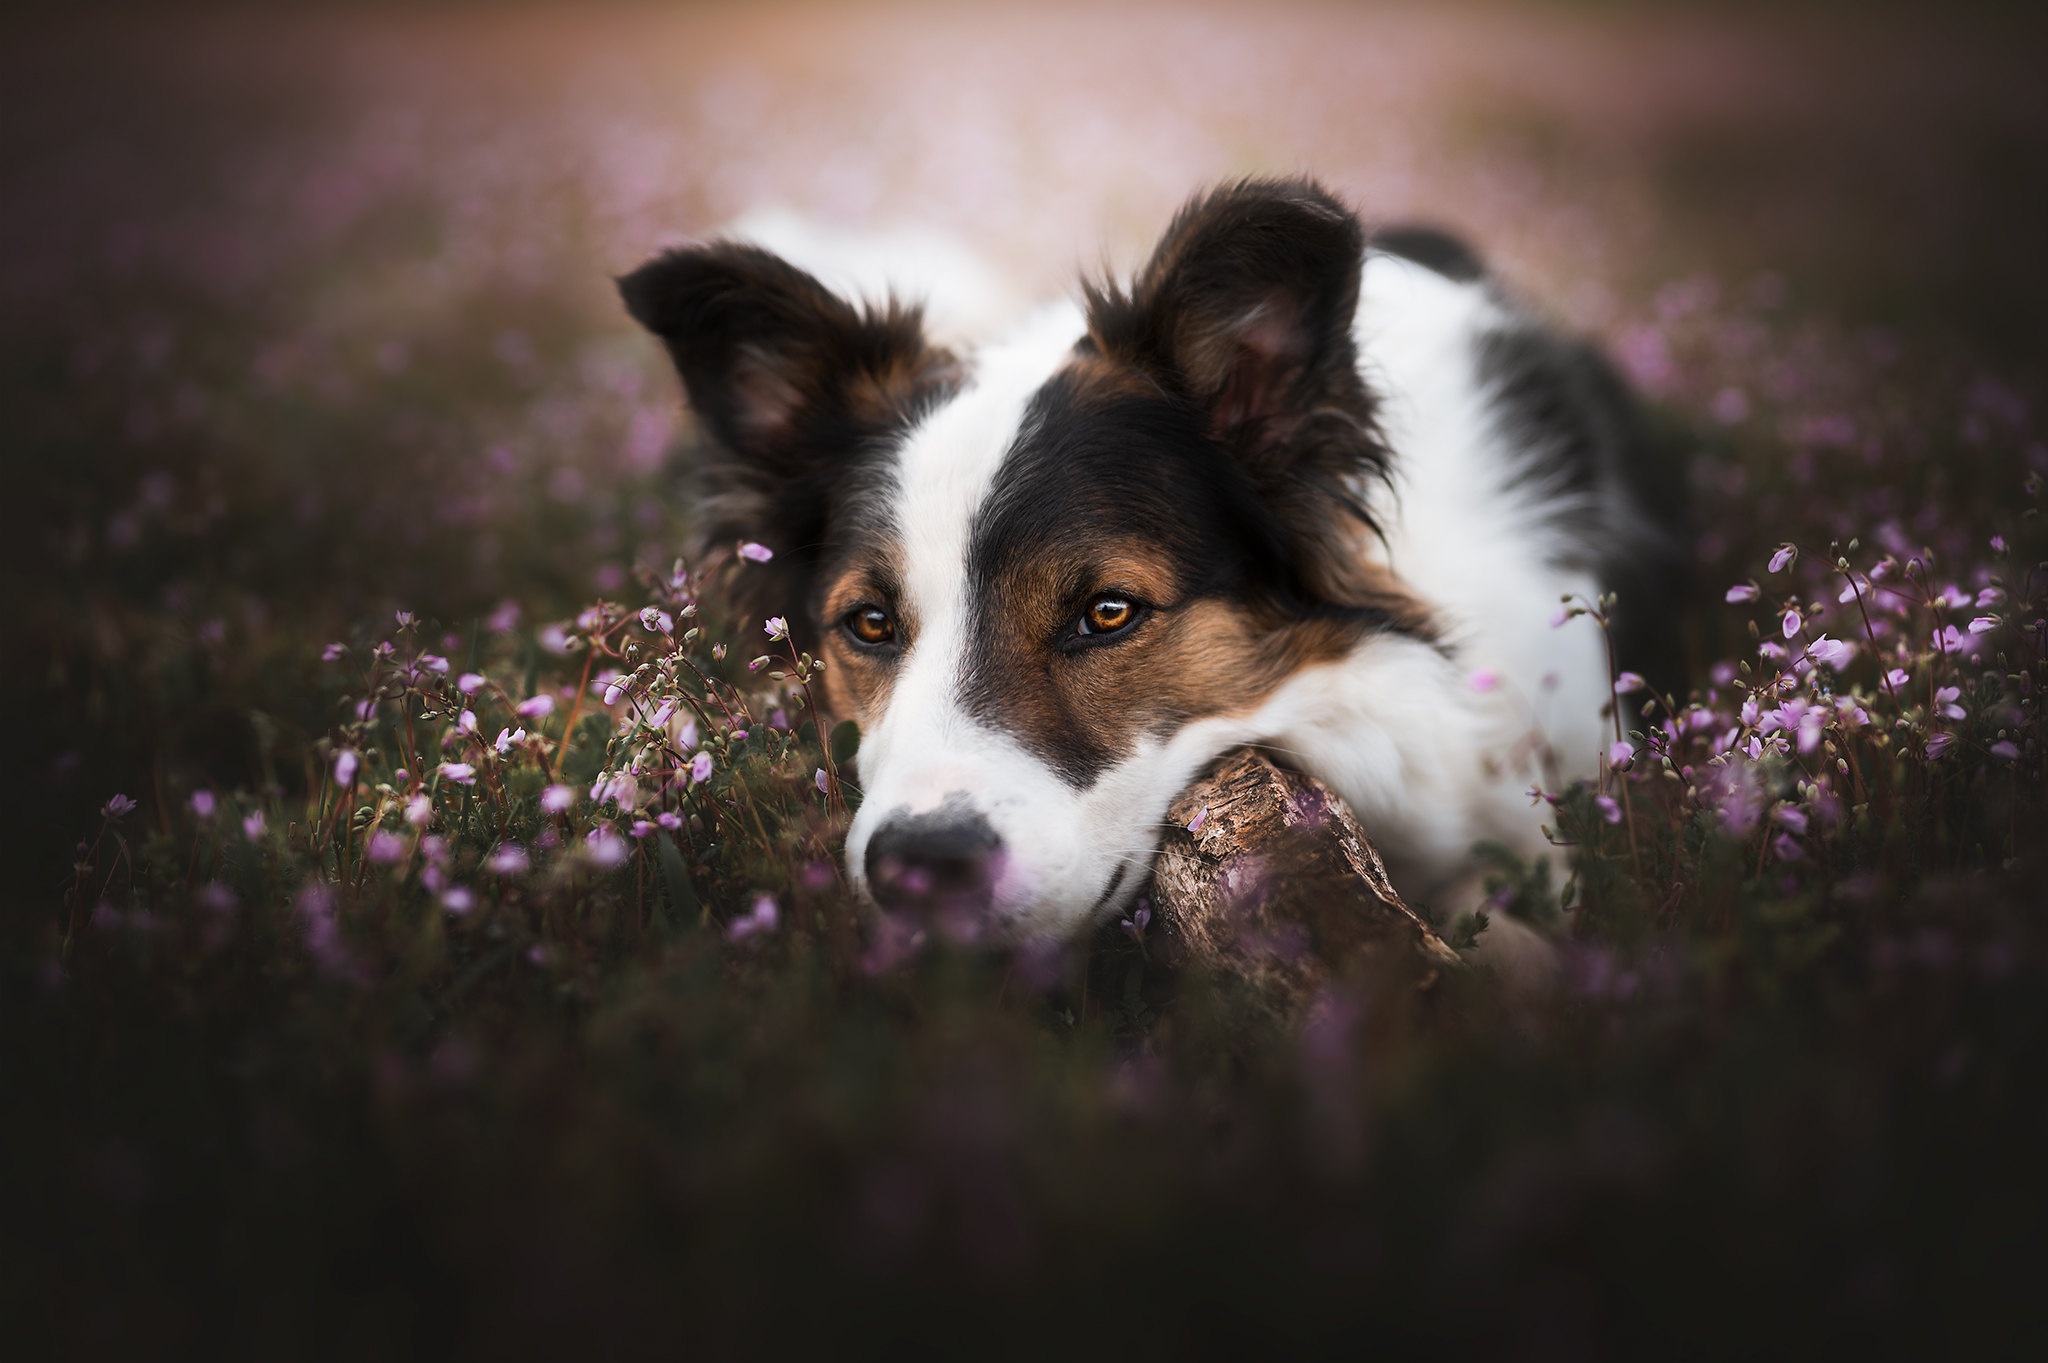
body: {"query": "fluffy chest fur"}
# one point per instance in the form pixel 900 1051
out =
pixel 1287 488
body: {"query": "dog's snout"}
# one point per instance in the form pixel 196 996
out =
pixel 947 858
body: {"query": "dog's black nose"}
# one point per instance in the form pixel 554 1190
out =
pixel 947 858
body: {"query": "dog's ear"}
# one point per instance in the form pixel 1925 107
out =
pixel 1246 308
pixel 1245 311
pixel 791 379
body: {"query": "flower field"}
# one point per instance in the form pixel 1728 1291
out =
pixel 425 933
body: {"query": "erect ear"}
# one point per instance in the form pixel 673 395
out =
pixel 791 379
pixel 1246 307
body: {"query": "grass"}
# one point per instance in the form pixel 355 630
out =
pixel 349 1029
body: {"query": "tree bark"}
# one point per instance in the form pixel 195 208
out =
pixel 1265 873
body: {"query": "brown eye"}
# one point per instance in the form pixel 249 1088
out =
pixel 870 625
pixel 1108 615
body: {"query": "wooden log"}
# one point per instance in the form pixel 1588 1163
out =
pixel 1266 874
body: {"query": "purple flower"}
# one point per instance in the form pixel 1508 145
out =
pixel 1945 699
pixel 252 825
pixel 536 707
pixel 1562 614
pixel 1740 593
pixel 1483 680
pixel 1998 544
pixel 2005 750
pixel 1621 756
pixel 1201 817
pixel 385 848
pixel 1899 678
pixel 461 773
pixel 1938 745
pixel 1627 682
pixel 1140 919
pixel 1784 558
pixel 507 738
pixel 775 627
pixel 118 807
pixel 406 619
pixel 613 690
pixel 458 900
pixel 203 803
pixel 434 663
pixel 756 553
pixel 1609 809
pixel 765 916
pixel 824 785
pixel 557 799
pixel 1786 849
pixel 419 811
pixel 686 737
pixel 333 653
pixel 655 620
pixel 509 860
pixel 606 848
pixel 1792 621
pixel 469 683
pixel 346 763
pixel 1984 624
pixel 661 713
pixel 1832 652
pixel 1790 817
pixel 700 769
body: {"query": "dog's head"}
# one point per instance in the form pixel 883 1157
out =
pixel 1054 579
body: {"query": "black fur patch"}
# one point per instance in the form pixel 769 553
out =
pixel 1433 249
pixel 1581 432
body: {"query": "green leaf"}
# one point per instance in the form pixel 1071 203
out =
pixel 682 895
pixel 844 743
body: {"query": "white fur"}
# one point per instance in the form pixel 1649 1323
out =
pixel 1430 761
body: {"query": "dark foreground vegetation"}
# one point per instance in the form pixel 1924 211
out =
pixel 423 933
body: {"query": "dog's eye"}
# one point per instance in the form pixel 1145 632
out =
pixel 870 625
pixel 1108 615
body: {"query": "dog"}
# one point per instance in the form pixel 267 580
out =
pixel 1293 485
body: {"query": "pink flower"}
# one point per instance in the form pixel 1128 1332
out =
pixel 1784 558
pixel 557 799
pixel 1627 682
pixel 434 663
pixel 252 825
pixel 1609 810
pixel 1621 756
pixel 509 860
pixel 333 653
pixel 756 553
pixel 203 803
pixel 775 627
pixel 818 778
pixel 345 765
pixel 1791 817
pixel 1938 746
pixel 1786 849
pixel 1483 680
pixel 2005 750
pixel 1562 614
pixel 606 848
pixel 1899 678
pixel 1984 624
pixel 657 621
pixel 1201 817
pixel 385 847
pixel 507 738
pixel 700 768
pixel 118 807
pixel 536 707
pixel 1945 702
pixel 1832 652
pixel 469 683
pixel 419 811
pixel 406 619
pixel 1740 593
pixel 1792 622
pixel 764 917
pixel 461 773
pixel 612 691
pixel 458 900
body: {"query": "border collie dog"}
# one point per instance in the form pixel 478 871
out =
pixel 1292 486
